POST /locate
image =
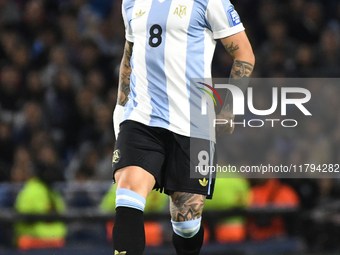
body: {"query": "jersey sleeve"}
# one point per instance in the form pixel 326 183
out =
pixel 223 19
pixel 128 30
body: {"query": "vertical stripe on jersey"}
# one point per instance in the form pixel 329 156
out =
pixel 139 108
pixel 176 52
pixel 128 5
pixel 210 44
pixel 157 87
pixel 196 66
pixel 226 6
pixel 218 8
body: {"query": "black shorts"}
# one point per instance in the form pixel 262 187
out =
pixel 166 156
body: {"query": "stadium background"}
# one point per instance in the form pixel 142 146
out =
pixel 59 63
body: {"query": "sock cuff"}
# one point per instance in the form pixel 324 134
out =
pixel 186 229
pixel 129 198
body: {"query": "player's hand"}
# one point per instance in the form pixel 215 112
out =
pixel 225 129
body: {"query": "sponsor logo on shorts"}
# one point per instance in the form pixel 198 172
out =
pixel 120 253
pixel 115 159
pixel 203 182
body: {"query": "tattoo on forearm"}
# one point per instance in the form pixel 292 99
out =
pixel 231 48
pixel 124 75
pixel 186 206
pixel 241 69
pixel 240 74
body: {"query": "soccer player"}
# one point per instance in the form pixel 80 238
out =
pixel 168 42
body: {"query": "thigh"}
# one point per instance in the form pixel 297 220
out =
pixel 139 155
pixel 186 206
pixel 130 178
pixel 182 158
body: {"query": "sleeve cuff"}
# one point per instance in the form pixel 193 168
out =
pixel 228 32
pixel 129 37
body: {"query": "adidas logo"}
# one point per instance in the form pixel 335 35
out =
pixel 139 14
pixel 204 182
pixel 120 253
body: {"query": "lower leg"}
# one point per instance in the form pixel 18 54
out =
pixel 128 232
pixel 188 246
pixel 186 210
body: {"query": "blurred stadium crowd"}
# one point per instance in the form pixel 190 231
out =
pixel 59 66
pixel 59 63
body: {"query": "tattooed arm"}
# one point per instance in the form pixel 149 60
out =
pixel 239 48
pixel 123 87
pixel 124 75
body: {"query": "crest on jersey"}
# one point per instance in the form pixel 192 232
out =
pixel 233 17
pixel 116 156
pixel 181 11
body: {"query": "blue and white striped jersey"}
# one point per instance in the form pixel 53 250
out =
pixel 174 41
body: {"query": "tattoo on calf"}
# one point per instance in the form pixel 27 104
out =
pixel 186 206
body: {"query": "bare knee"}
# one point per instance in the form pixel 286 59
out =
pixel 186 211
pixel 136 179
pixel 186 206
